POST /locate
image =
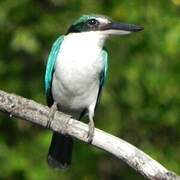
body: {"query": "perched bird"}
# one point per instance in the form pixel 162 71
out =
pixel 75 75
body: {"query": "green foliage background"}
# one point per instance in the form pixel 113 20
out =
pixel 141 99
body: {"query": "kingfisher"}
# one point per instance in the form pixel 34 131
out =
pixel 75 74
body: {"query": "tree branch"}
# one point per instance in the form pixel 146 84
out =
pixel 39 114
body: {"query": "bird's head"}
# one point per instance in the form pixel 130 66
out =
pixel 102 25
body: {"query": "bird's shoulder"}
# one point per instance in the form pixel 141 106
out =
pixel 50 68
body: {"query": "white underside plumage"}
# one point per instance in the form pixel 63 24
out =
pixel 76 78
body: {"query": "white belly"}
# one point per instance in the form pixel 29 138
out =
pixel 75 83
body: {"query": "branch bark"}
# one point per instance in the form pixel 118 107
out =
pixel 38 114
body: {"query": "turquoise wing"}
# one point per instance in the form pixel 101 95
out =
pixel 50 68
pixel 103 73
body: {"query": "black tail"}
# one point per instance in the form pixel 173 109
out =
pixel 60 151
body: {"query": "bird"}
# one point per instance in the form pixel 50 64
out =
pixel 75 74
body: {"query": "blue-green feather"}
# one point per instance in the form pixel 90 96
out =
pixel 105 61
pixel 50 68
pixel 103 73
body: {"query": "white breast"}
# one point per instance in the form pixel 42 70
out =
pixel 76 79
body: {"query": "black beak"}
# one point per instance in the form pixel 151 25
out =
pixel 122 27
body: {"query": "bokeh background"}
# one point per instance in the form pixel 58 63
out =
pixel 140 102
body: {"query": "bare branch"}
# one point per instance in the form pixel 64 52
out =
pixel 38 114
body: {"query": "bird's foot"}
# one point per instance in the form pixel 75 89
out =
pixel 91 131
pixel 52 112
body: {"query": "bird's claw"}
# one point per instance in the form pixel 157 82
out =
pixel 53 109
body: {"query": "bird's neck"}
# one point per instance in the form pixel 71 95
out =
pixel 88 39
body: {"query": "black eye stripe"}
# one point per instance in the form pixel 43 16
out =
pixel 84 26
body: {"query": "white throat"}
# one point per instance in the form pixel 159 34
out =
pixel 90 38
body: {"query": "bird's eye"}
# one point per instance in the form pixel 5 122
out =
pixel 92 22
